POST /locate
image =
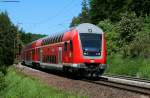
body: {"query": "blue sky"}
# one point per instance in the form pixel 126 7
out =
pixel 42 16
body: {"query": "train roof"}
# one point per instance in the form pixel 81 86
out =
pixel 82 28
pixel 89 28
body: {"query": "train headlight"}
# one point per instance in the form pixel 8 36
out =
pixel 85 53
pixel 98 53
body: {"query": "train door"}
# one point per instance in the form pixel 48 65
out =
pixel 59 55
pixel 40 55
pixel 31 56
pixel 65 53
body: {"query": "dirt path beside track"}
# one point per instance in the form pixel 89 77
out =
pixel 77 86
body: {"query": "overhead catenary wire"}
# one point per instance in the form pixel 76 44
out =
pixel 14 1
pixel 66 8
pixel 57 14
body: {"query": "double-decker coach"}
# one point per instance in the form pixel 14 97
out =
pixel 81 49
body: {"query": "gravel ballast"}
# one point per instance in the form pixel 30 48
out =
pixel 78 86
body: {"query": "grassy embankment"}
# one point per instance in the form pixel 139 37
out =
pixel 137 67
pixel 21 86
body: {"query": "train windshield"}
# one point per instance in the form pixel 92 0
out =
pixel 91 44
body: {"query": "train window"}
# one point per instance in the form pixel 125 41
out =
pixel 48 58
pixel 43 42
pixel 49 40
pixel 55 59
pixel 71 45
pixel 46 41
pixel 59 38
pixel 52 59
pixel 55 39
pixel 33 52
pixel 44 59
pixel 65 46
pixel 52 40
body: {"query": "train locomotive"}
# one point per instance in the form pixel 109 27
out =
pixel 81 49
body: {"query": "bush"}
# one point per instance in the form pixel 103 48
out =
pixel 111 36
pixel 137 67
pixel 127 28
pixel 22 86
pixel 3 69
pixel 140 46
pixel 2 81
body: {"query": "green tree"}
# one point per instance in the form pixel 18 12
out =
pixel 129 25
pixel 140 46
pixel 111 36
pixel 7 39
pixel 140 7
pixel 104 9
pixel 127 29
pixel 75 21
pixel 26 38
pixel 83 17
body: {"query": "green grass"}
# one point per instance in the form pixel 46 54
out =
pixel 21 86
pixel 137 67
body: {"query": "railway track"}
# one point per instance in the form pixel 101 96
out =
pixel 136 85
pixel 127 78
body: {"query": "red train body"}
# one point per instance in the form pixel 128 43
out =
pixel 81 49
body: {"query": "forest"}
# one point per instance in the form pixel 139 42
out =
pixel 12 39
pixel 126 24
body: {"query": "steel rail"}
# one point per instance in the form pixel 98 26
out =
pixel 131 88
pixel 116 82
pixel 128 78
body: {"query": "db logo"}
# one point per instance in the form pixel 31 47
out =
pixel 92 61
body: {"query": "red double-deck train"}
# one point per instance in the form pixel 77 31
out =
pixel 81 49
